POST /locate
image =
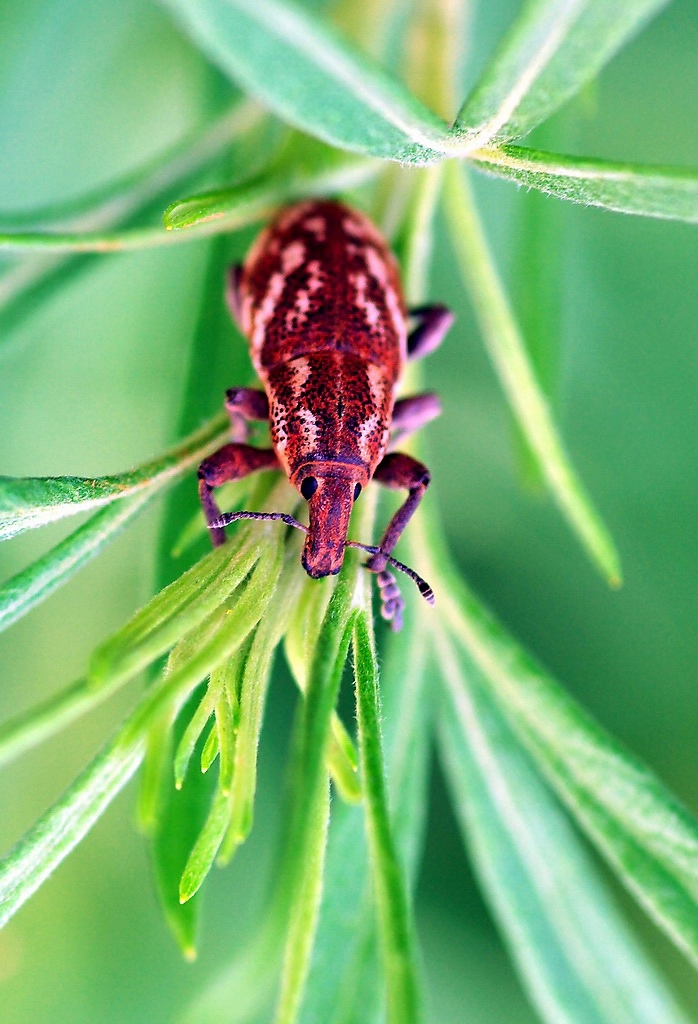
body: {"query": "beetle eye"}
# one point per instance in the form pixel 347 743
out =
pixel 308 487
pixel 357 491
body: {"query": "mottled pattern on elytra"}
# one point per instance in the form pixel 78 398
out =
pixel 321 304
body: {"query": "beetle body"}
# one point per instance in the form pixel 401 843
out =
pixel 320 302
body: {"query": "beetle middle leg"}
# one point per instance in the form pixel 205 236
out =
pixel 243 405
pixel 432 325
pixel 231 462
pixel 399 471
pixel 412 414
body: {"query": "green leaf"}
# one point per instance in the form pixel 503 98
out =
pixel 39 852
pixel 307 829
pixel 208 842
pixel 395 924
pixel 550 52
pixel 304 166
pixel 30 728
pixel 508 353
pixel 646 835
pixel 255 682
pixel 34 584
pixel 578 959
pixel 176 611
pixel 645 189
pixel 345 978
pixel 313 79
pixel 117 204
pixel 29 502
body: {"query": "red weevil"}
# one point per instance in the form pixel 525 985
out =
pixel 320 302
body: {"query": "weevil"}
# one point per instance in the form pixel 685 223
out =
pixel 319 300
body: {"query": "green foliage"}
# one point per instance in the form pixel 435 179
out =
pixel 338 927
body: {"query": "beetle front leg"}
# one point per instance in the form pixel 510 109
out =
pixel 399 471
pixel 243 405
pixel 231 462
pixel 433 323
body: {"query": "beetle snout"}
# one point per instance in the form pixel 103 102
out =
pixel 322 562
pixel 329 509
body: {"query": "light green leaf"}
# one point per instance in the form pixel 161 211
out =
pixel 310 77
pixel 550 52
pixel 307 829
pixel 34 584
pixel 304 167
pixel 119 203
pixel 508 353
pixel 646 835
pixel 175 614
pixel 30 728
pixel 61 828
pixel 645 189
pixel 395 924
pixel 211 835
pixel 578 959
pixel 29 502
pixel 345 979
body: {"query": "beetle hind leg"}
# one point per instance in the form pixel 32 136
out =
pixel 432 325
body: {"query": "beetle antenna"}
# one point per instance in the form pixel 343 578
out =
pixel 230 517
pixel 422 585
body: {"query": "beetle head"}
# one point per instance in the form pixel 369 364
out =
pixel 330 491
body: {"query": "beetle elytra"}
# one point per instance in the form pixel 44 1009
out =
pixel 320 302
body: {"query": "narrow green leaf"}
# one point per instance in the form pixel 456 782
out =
pixel 644 189
pixel 34 584
pixel 171 614
pixel 182 812
pixel 345 982
pixel 209 752
pixel 29 502
pixel 307 830
pixel 305 166
pixel 31 728
pixel 255 682
pixel 395 924
pixel 39 852
pixel 511 361
pixel 550 52
pixel 118 204
pixel 156 766
pixel 195 727
pixel 181 815
pixel 310 77
pixel 120 199
pixel 206 847
pixel 645 834
pixel 578 959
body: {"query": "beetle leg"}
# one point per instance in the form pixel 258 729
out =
pixel 232 294
pixel 412 414
pixel 245 404
pixel 432 324
pixel 231 462
pixel 399 471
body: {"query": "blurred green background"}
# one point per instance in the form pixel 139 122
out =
pixel 91 381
